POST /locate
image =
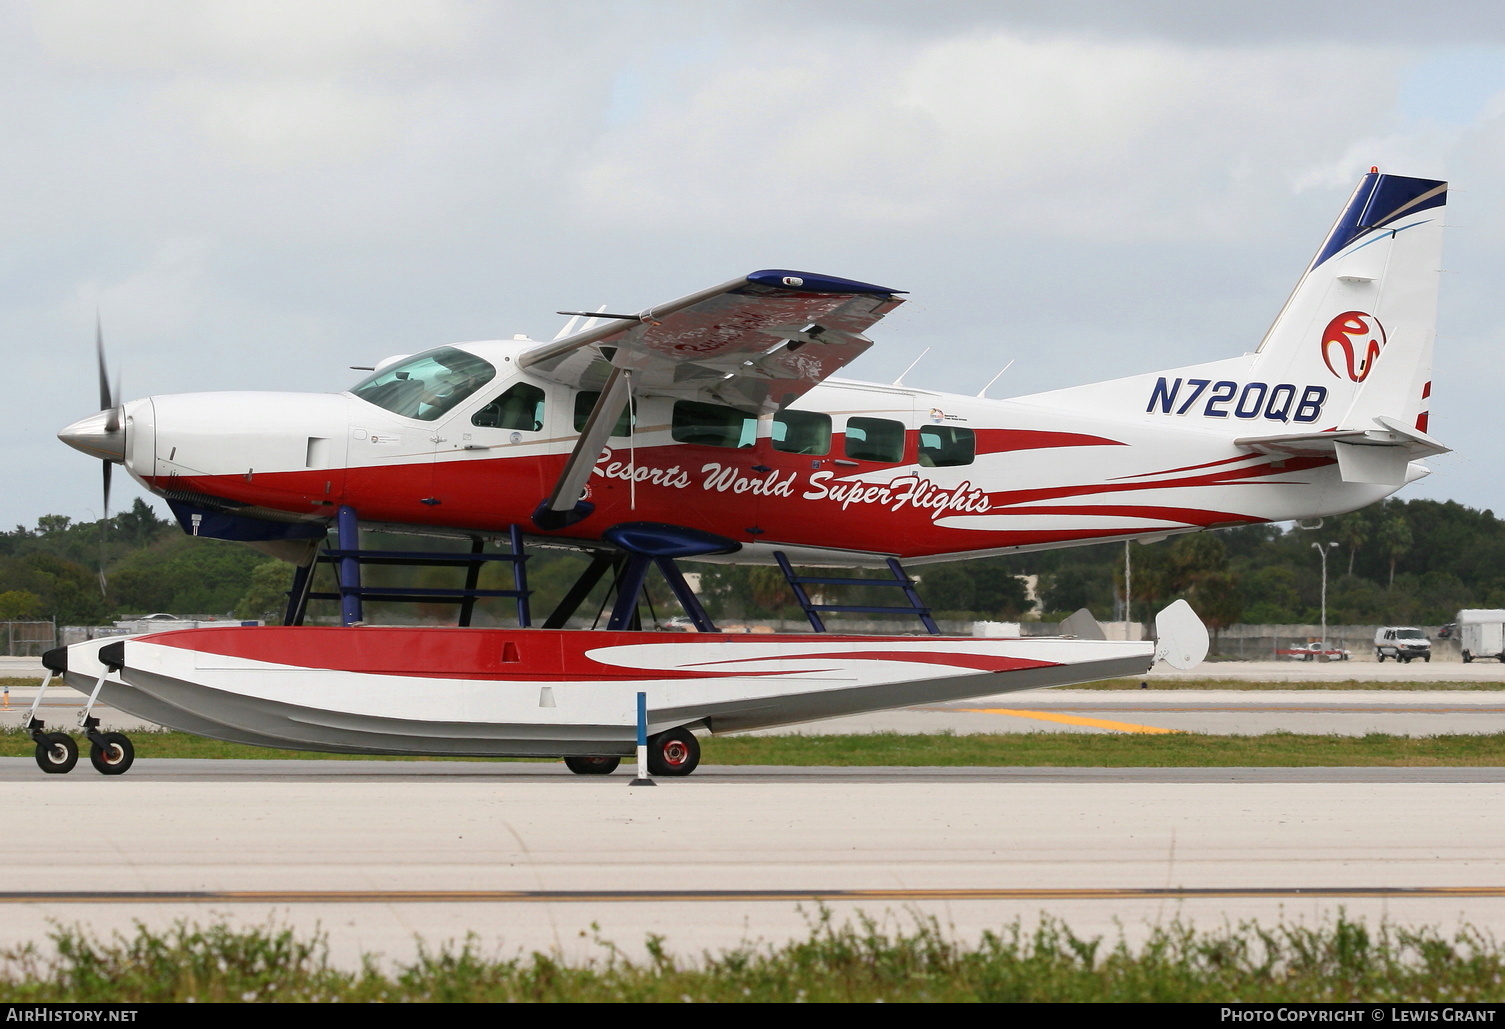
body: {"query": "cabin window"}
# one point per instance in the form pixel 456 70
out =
pixel 802 432
pixel 712 425
pixel 427 385
pixel 585 402
pixel 875 439
pixel 946 446
pixel 521 407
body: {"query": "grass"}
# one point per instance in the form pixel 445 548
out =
pixel 995 750
pixel 1108 750
pixel 1302 684
pixel 859 960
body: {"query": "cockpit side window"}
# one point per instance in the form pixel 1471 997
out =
pixel 427 385
pixel 521 407
pixel 585 402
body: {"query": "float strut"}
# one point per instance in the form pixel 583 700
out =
pixel 348 530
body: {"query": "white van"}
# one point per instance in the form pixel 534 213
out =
pixel 1402 642
pixel 1481 633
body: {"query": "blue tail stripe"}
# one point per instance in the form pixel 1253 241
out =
pixel 1379 200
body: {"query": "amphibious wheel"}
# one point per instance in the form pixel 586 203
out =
pixel 675 752
pixel 111 753
pixel 57 753
pixel 592 764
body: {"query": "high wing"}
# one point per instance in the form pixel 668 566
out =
pixel 757 343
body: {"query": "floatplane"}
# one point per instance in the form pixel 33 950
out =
pixel 716 427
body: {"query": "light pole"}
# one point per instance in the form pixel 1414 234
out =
pixel 1323 551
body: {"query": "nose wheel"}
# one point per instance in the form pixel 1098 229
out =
pixel 111 753
pixel 56 752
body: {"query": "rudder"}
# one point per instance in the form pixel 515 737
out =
pixel 1361 321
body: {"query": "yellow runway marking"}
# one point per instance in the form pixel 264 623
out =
pixel 1096 723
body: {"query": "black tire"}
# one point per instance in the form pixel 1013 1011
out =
pixel 111 753
pixel 592 764
pixel 1427 658
pixel 1467 657
pixel 676 752
pixel 1379 657
pixel 57 753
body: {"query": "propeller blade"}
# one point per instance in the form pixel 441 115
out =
pixel 106 401
pixel 109 400
pixel 108 465
pixel 112 423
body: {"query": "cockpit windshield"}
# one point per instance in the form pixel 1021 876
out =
pixel 426 385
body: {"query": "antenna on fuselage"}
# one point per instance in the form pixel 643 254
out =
pixel 996 378
pixel 900 380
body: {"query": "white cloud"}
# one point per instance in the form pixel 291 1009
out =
pixel 262 193
pixel 278 36
pixel 1059 135
pixel 281 124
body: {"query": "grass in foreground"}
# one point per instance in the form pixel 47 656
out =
pixel 1340 960
pixel 1109 750
pixel 1024 749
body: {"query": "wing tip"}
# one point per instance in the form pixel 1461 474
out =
pixel 812 282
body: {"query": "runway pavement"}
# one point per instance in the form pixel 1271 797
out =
pixel 528 857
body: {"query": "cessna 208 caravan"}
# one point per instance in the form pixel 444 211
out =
pixel 714 426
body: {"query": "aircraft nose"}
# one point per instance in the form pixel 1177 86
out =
pixel 100 435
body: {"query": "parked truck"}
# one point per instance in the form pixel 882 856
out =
pixel 1481 633
pixel 1405 643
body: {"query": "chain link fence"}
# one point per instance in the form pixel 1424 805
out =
pixel 29 639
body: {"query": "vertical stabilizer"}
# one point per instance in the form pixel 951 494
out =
pixel 1361 321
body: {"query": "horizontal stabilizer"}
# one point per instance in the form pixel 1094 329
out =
pixel 1380 455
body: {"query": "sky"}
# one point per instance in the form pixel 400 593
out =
pixel 258 195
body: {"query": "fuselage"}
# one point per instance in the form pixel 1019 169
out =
pixel 851 471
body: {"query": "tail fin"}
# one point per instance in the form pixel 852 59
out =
pixel 1361 321
pixel 1346 369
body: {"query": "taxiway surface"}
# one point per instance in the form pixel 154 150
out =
pixel 531 858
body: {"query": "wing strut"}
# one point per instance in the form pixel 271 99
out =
pixel 564 506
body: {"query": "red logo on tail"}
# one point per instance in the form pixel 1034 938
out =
pixel 1360 336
